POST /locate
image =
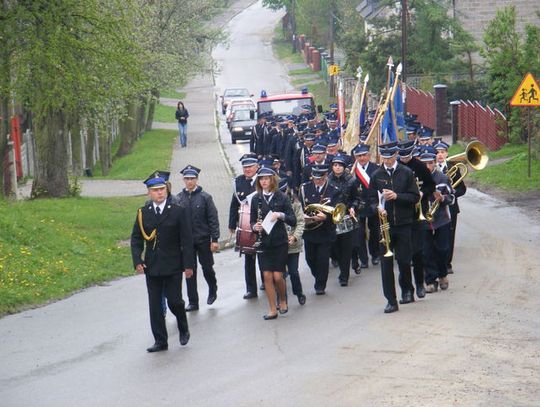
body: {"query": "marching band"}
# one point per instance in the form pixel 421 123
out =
pixel 299 191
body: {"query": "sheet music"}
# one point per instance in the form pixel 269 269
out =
pixel 268 223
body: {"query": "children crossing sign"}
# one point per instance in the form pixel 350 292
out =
pixel 527 94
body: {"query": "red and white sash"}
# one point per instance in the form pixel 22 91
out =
pixel 361 174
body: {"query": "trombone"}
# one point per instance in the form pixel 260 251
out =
pixel 475 155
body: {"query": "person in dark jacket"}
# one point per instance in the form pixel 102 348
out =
pixel 368 220
pixel 427 187
pixel 272 253
pixel 244 186
pixel 437 230
pixel 162 231
pixel 394 193
pixel 205 225
pixel 182 115
pixel 259 135
pixel 318 240
pixel 341 251
pixel 459 190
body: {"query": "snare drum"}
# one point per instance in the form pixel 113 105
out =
pixel 245 237
pixel 348 224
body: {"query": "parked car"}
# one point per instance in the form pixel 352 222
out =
pixel 233 93
pixel 241 125
pixel 236 104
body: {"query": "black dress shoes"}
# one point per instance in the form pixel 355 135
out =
pixel 192 307
pixel 211 298
pixel 421 291
pixel 375 260
pixel 320 291
pixel 157 347
pixel 357 270
pixel 407 298
pixel 343 283
pixel 184 338
pixel 249 295
pixel 364 265
pixel 391 308
pixel 301 299
pixel 261 287
pixel 269 317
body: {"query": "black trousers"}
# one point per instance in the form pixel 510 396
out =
pixel 417 256
pixel 250 273
pixel 317 257
pixel 401 245
pixel 292 271
pixel 360 251
pixel 436 247
pixel 342 252
pixel 453 227
pixel 206 258
pixel 171 286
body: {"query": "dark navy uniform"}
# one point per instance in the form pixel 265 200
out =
pixel 242 188
pixel 205 222
pixel 341 250
pixel 166 256
pixel 400 214
pixel 318 241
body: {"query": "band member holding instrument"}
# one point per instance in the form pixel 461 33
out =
pixel 426 186
pixel 318 158
pixel 396 185
pixel 244 186
pixel 460 190
pixel 205 225
pixel 270 201
pixel 165 228
pixel 342 247
pixel 437 232
pixel 320 232
pixel 296 243
pixel 368 220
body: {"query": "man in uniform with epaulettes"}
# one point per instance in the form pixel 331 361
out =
pixel 259 135
pixel 317 158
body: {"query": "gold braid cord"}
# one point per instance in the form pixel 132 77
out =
pixel 146 237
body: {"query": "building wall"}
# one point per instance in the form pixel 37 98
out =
pixel 476 14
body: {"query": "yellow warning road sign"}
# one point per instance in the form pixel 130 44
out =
pixel 333 70
pixel 528 93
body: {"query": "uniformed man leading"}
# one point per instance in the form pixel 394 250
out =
pixel 162 230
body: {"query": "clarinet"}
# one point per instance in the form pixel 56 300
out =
pixel 258 244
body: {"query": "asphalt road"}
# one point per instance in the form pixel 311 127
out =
pixel 477 344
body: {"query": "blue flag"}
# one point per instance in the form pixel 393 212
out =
pixel 398 108
pixel 388 131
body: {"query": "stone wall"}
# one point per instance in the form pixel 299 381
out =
pixel 476 14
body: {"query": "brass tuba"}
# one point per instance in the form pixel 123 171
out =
pixel 337 212
pixel 475 155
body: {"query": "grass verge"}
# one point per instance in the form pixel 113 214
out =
pixel 151 152
pixel 164 113
pixel 172 94
pixel 50 248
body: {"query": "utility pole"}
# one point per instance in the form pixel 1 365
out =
pixel 404 12
pixel 332 92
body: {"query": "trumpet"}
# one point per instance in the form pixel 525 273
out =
pixel 418 205
pixel 337 212
pixel 385 234
pixel 385 228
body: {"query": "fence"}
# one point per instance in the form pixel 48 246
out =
pixel 482 123
pixel 421 104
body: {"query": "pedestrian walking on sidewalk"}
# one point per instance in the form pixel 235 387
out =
pixel 182 115
pixel 163 227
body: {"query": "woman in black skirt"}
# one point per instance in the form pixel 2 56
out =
pixel 273 248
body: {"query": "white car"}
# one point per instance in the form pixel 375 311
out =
pixel 233 93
